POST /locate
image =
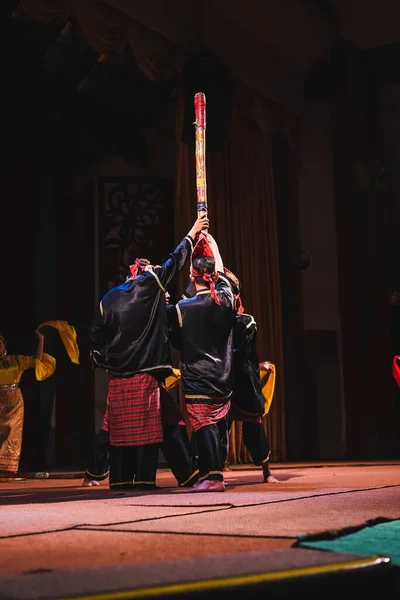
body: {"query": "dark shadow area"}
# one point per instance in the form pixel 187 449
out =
pixel 258 478
pixel 68 494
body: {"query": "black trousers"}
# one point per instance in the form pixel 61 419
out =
pixel 254 439
pixel 208 443
pixel 176 449
pixel 256 442
pixel 99 465
pixel 133 467
pixel 176 446
pixel 179 455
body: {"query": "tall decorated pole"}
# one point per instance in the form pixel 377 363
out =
pixel 200 132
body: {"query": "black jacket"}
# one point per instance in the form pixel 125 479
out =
pixel 202 331
pixel 129 333
pixel 247 394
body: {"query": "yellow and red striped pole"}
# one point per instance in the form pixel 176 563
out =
pixel 200 152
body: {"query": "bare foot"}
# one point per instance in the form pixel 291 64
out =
pixel 89 482
pixel 208 485
pixel 271 479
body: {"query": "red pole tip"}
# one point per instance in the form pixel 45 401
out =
pixel 200 109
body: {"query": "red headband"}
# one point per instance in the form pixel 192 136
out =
pixel 202 248
pixel 209 278
pixel 138 263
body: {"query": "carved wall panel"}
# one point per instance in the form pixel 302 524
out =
pixel 135 219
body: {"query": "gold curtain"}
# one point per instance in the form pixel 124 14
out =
pixel 108 31
pixel 243 221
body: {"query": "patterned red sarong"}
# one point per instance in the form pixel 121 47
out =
pixel 201 415
pixel 170 413
pixel 134 414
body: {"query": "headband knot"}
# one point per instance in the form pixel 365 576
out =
pixel 137 264
pixel 211 279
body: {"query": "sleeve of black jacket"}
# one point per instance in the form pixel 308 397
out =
pixel 174 328
pixel 175 261
pixel 97 339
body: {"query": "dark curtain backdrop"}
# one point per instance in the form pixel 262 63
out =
pixel 363 228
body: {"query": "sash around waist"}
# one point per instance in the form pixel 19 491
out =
pixel 205 399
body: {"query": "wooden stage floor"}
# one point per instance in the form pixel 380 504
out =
pixel 58 539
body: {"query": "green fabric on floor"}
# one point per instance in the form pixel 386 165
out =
pixel 382 538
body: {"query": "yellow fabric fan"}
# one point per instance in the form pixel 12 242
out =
pixel 172 380
pixel 268 377
pixel 68 337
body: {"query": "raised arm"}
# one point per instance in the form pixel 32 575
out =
pixel 177 260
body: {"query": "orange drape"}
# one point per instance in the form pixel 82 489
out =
pixel 243 221
pixel 108 31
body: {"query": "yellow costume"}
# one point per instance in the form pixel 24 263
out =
pixel 68 337
pixel 172 380
pixel 12 403
pixel 12 367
